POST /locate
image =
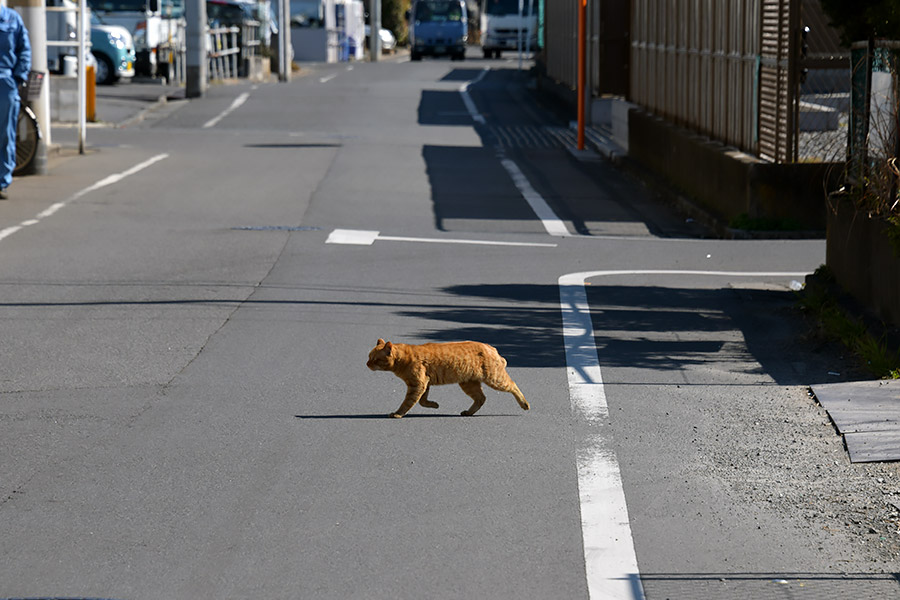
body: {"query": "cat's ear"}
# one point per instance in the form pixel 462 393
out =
pixel 380 342
pixel 388 347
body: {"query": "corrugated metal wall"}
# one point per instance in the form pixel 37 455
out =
pixel 724 68
pixel 561 20
pixel 607 44
pixel 695 62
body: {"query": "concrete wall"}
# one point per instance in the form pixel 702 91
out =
pixel 726 182
pixel 863 260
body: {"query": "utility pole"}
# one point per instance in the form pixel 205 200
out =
pixel 35 18
pixel 375 32
pixel 195 59
pixel 82 75
pixel 284 40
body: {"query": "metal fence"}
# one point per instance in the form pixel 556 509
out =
pixel 875 109
pixel 561 50
pixel 823 97
pixel 695 62
pixel 765 76
pixel 606 45
pixel 230 48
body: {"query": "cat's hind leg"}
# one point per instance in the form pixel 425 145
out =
pixel 474 391
pixel 505 384
pixel 424 401
pixel 414 393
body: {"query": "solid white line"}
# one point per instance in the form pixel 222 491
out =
pixel 54 208
pixel 234 105
pixel 392 238
pixel 552 223
pixel 610 560
pixel 359 237
pixel 467 100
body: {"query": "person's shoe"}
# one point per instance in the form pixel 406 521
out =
pixel 4 195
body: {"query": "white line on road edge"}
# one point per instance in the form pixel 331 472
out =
pixel 53 208
pixel 467 100
pixel 327 78
pixel 359 237
pixel 234 105
pixel 552 223
pixel 610 560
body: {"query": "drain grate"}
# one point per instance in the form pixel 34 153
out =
pixel 276 228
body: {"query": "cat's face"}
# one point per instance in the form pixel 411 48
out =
pixel 381 358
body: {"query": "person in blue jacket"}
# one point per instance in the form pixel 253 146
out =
pixel 15 62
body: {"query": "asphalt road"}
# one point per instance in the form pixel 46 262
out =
pixel 185 410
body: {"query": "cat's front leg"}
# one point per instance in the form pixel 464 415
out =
pixel 414 393
pixel 424 401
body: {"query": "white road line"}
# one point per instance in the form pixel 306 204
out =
pixel 54 208
pixel 359 237
pixel 327 78
pixel 234 105
pixel 610 561
pixel 552 223
pixel 467 99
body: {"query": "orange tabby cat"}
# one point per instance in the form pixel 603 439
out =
pixel 466 363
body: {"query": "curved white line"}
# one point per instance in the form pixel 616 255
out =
pixel 610 561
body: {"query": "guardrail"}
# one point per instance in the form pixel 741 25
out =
pixel 231 47
pixel 223 52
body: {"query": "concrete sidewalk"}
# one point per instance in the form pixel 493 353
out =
pixel 127 102
pixel 118 105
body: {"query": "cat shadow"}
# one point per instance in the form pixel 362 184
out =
pixel 357 417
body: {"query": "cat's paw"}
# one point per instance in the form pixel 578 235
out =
pixel 394 415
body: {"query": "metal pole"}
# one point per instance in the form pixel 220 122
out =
pixel 582 17
pixel 529 30
pixel 519 35
pixel 35 18
pixel 375 32
pixel 288 45
pixel 195 49
pixel 82 78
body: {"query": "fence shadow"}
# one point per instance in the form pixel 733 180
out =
pixel 755 332
pixel 469 183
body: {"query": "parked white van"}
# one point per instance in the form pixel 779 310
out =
pixel 156 25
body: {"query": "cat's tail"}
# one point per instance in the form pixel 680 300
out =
pixel 520 397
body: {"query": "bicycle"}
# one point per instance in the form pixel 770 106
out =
pixel 28 133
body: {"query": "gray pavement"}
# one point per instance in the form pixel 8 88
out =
pixel 186 408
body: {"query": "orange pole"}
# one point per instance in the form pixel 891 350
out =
pixel 90 82
pixel 582 17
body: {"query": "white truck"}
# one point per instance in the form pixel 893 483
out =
pixel 157 27
pixel 508 25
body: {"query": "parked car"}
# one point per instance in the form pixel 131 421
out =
pixel 62 26
pixel 225 13
pixel 388 41
pixel 113 47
